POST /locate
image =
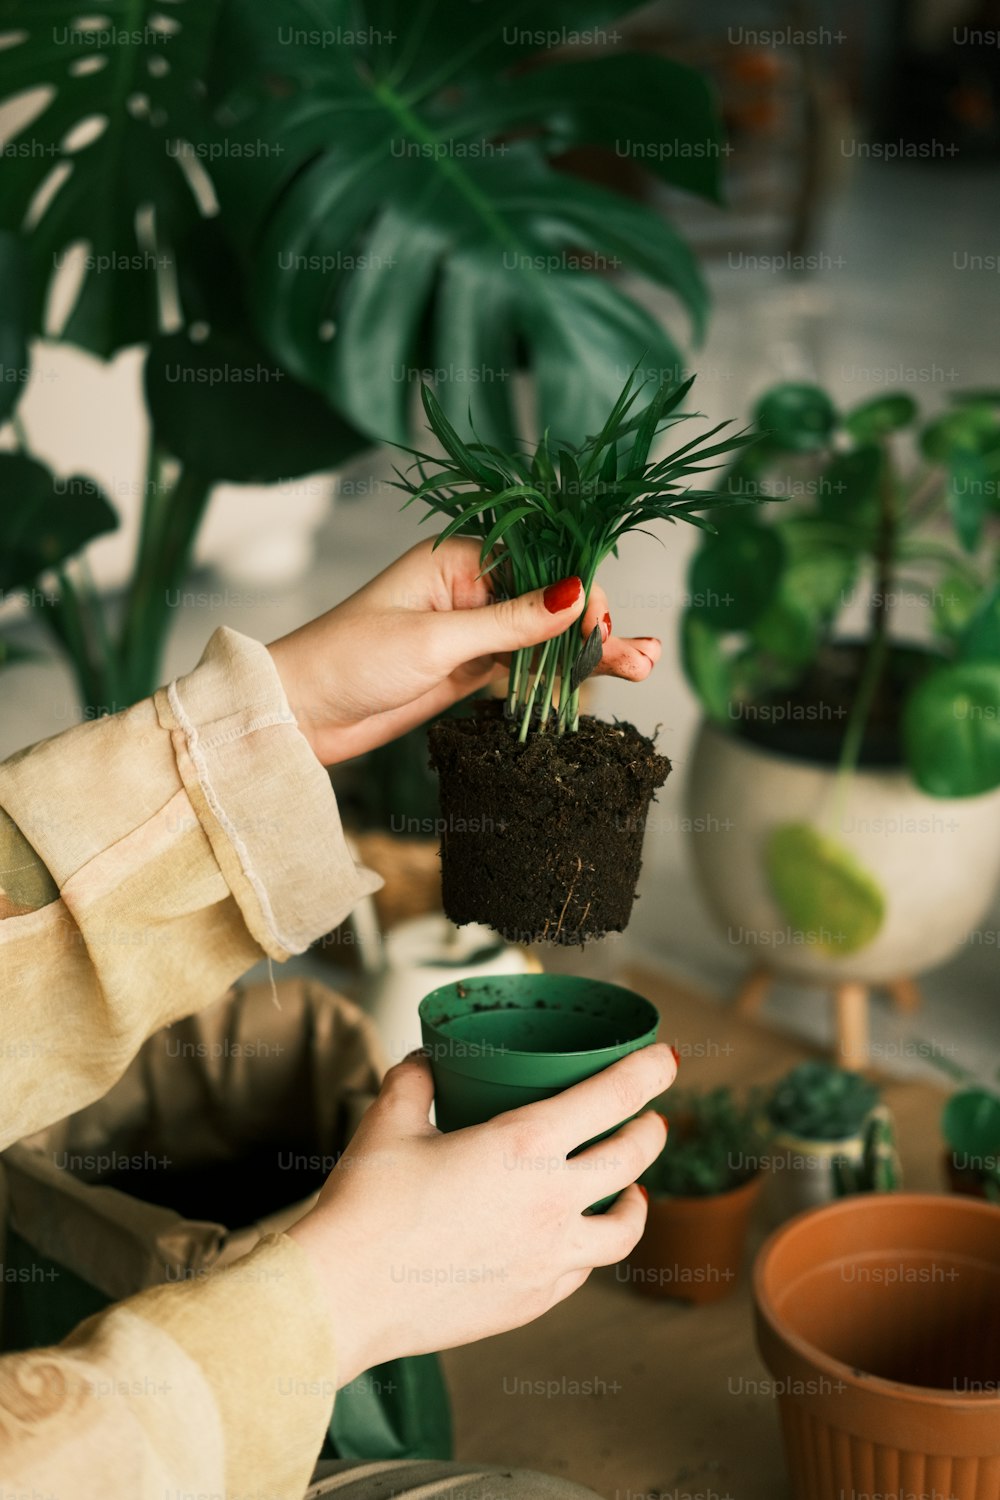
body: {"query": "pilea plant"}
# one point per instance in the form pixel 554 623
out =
pixel 715 1144
pixel 884 508
pixel 544 808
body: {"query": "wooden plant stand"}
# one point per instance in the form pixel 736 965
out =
pixel 850 1004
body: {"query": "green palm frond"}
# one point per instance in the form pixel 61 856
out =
pixel 561 511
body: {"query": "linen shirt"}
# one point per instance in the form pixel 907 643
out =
pixel 147 860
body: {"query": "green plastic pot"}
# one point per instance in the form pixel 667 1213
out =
pixel 501 1041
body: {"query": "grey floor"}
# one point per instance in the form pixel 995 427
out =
pixel 889 306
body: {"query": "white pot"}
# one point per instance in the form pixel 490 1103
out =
pixel 935 859
pixel 402 966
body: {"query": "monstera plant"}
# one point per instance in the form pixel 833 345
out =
pixel 298 210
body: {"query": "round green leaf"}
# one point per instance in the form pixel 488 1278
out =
pixel 797 417
pixel 951 730
pixel 706 666
pixel 822 889
pixel 965 430
pixel 877 418
pixel 228 412
pixel 980 640
pixel 849 485
pixel 955 601
pixel 735 575
pixel 786 631
pixel 971 1123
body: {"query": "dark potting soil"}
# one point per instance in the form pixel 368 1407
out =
pixel 234 1193
pixel 542 841
pixel 808 720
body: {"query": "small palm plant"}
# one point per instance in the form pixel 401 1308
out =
pixel 560 513
pixel 543 810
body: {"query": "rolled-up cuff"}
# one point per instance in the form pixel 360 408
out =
pixel 263 799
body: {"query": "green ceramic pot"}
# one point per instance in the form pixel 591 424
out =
pixel 505 1040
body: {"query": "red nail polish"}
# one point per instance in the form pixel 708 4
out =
pixel 676 1055
pixel 643 1191
pixel 607 626
pixel 562 595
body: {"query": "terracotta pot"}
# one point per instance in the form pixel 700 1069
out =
pixel 879 1317
pixel 961 1180
pixel 692 1248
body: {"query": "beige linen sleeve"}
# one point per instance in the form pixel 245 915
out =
pixel 146 861
pixel 221 1387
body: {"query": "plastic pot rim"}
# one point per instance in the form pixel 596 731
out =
pixel 812 1354
pixel 652 1015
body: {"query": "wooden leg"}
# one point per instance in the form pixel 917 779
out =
pixel 905 995
pixel 753 991
pixel 851 1002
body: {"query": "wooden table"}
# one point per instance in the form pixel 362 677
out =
pixel 644 1399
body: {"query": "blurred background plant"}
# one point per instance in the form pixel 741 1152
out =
pixel 291 229
pixel 715 1144
pixel 818 1101
pixel 866 513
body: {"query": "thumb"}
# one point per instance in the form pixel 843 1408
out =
pixel 510 624
pixel 407 1092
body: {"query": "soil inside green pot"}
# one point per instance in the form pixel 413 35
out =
pixel 543 840
pixel 807 721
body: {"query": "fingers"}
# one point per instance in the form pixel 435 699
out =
pixel 619 1160
pixel 597 613
pixel 510 623
pixel 379 729
pixel 601 1103
pixel 631 658
pixel 407 1094
pixel 609 1237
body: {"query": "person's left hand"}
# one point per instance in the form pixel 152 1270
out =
pixel 418 639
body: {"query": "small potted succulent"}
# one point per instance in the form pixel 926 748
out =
pixel 702 1190
pixel 544 807
pixel 845 646
pixel 970 1124
pixel 831 1137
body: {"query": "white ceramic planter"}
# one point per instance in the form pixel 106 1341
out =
pixel 936 860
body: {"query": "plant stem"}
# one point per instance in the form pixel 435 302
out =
pixel 877 652
pixel 173 524
pixel 530 702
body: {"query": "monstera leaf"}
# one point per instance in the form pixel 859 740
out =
pixel 43 521
pixel 105 158
pixel 13 322
pixel 406 217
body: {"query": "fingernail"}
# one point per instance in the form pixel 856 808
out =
pixel 666 1122
pixel 562 595
pixel 643 1191
pixel 676 1055
pixel 605 627
pixel 417 1052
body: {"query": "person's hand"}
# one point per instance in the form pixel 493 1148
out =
pixel 423 1241
pixel 418 639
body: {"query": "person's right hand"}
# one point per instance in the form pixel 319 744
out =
pixel 423 1241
